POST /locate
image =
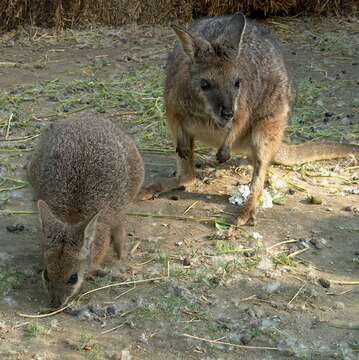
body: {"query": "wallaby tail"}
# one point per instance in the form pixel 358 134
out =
pixel 302 153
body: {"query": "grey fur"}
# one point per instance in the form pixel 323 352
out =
pixel 85 172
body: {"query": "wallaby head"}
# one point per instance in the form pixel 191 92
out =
pixel 214 74
pixel 67 250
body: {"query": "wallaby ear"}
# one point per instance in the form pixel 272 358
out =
pixel 89 236
pixel 233 32
pixel 47 217
pixel 196 47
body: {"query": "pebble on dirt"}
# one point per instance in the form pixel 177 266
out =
pixel 324 282
pixel 186 261
pixel 15 228
pixel 319 243
pixel 315 200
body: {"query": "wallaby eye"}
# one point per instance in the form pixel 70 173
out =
pixel 46 276
pixel 73 279
pixel 237 83
pixel 205 85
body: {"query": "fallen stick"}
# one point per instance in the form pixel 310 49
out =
pixel 231 344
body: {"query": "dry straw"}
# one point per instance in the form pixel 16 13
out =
pixel 69 13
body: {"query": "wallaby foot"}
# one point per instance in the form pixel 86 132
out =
pixel 247 216
pixel 119 239
pixel 223 154
pixel 152 191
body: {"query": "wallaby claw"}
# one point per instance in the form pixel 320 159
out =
pixel 97 273
pixel 150 192
pixel 247 218
pixel 223 155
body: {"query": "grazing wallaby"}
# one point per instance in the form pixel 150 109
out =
pixel 85 173
pixel 228 86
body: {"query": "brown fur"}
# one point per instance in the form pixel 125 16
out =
pixel 85 173
pixel 202 87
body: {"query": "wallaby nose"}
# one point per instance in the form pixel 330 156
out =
pixel 226 114
pixel 55 303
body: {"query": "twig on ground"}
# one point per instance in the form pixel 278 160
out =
pixel 40 316
pixel 125 292
pixel 343 282
pixel 190 207
pixel 297 293
pixel 112 329
pixel 295 253
pixel 282 243
pixel 231 344
pixel 8 127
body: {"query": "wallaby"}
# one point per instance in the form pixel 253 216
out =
pixel 228 86
pixel 85 173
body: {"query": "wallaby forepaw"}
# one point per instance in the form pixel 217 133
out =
pixel 150 192
pixel 97 273
pixel 223 155
pixel 247 218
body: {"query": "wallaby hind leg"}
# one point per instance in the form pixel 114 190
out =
pixel 266 139
pixel 185 174
pixel 119 239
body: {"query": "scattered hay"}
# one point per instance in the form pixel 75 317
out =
pixel 69 13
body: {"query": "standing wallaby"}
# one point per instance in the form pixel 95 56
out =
pixel 85 173
pixel 228 86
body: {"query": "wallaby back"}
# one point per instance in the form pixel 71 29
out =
pixel 85 172
pixel 84 165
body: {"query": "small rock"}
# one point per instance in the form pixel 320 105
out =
pixel 352 209
pixel 291 191
pixel 314 199
pixel 186 261
pixel 111 310
pixel 251 313
pixel 272 287
pixel 313 293
pixel 338 305
pixel 319 243
pixel 125 355
pixel 81 314
pixel 346 121
pixel 179 243
pixel 257 236
pixel 8 300
pixel 116 356
pixel 97 310
pixel 15 228
pixel 174 197
pixel 290 306
pixel 324 282
pixel 246 339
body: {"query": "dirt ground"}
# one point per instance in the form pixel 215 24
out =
pixel 244 295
